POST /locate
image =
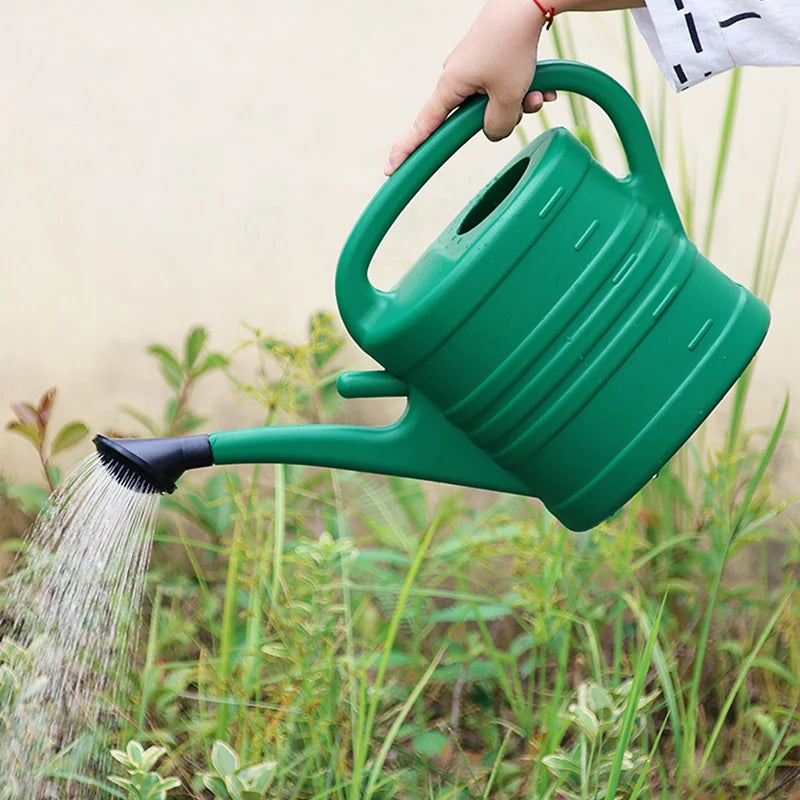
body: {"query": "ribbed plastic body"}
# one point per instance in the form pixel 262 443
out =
pixel 575 337
pixel 569 329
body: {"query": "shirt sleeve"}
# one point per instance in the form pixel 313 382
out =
pixel 691 40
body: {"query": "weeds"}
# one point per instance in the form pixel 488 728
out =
pixel 353 637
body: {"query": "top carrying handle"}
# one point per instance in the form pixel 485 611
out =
pixel 359 301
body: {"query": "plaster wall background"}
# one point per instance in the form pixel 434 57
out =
pixel 166 164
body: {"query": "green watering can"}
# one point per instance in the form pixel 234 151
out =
pixel 562 338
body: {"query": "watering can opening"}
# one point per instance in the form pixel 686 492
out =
pixel 494 195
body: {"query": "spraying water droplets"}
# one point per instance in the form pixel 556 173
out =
pixel 72 609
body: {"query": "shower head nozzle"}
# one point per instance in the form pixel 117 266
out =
pixel 153 465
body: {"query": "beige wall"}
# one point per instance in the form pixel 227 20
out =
pixel 165 163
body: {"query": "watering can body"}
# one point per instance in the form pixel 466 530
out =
pixel 563 322
pixel 561 339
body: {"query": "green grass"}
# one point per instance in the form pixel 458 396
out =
pixel 365 639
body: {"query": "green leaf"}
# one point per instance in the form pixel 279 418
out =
pixel 212 361
pixel 599 698
pixel 224 759
pixel 53 474
pixel 216 786
pixel 430 743
pixel 150 787
pixel 170 410
pixel 124 783
pixel 26 430
pixel 259 776
pixel 770 664
pixel 29 497
pixel 167 784
pixel 586 720
pixel 69 436
pixel 170 367
pixel 135 752
pixel 120 755
pixel 478 669
pixel 194 344
pixel 189 422
pixel 561 765
pixel 767 725
pixel 150 758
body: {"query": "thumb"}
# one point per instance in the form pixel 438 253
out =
pixel 432 115
pixel 447 96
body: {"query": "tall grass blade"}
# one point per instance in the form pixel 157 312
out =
pixel 365 730
pixel 565 49
pixel 278 531
pixel 229 613
pixel 149 661
pixel 693 708
pixel 723 155
pixel 763 463
pixel 397 722
pixel 740 679
pixel 763 284
pixel 630 57
pixel 687 189
pixel 663 672
pixel 632 707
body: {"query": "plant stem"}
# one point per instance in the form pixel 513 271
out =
pixel 365 731
pixel 227 631
pixel 149 661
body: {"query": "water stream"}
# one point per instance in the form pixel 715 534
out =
pixel 70 616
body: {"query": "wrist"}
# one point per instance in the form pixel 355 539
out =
pixel 522 14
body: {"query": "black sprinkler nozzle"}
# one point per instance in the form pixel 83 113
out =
pixel 153 465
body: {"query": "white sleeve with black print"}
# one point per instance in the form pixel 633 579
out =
pixel 694 39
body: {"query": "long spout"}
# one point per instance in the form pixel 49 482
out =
pixel 421 444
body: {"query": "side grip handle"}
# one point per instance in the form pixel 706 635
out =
pixel 360 303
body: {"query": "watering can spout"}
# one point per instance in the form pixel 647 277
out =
pixel 153 465
pixel 421 444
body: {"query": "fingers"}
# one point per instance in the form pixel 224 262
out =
pixel 432 115
pixel 534 101
pixel 502 115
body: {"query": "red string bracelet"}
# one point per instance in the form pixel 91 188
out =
pixel 549 14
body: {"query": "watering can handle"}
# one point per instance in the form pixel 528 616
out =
pixel 359 302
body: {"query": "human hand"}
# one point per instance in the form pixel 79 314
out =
pixel 497 57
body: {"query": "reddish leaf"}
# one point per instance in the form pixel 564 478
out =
pixel 26 413
pixel 45 407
